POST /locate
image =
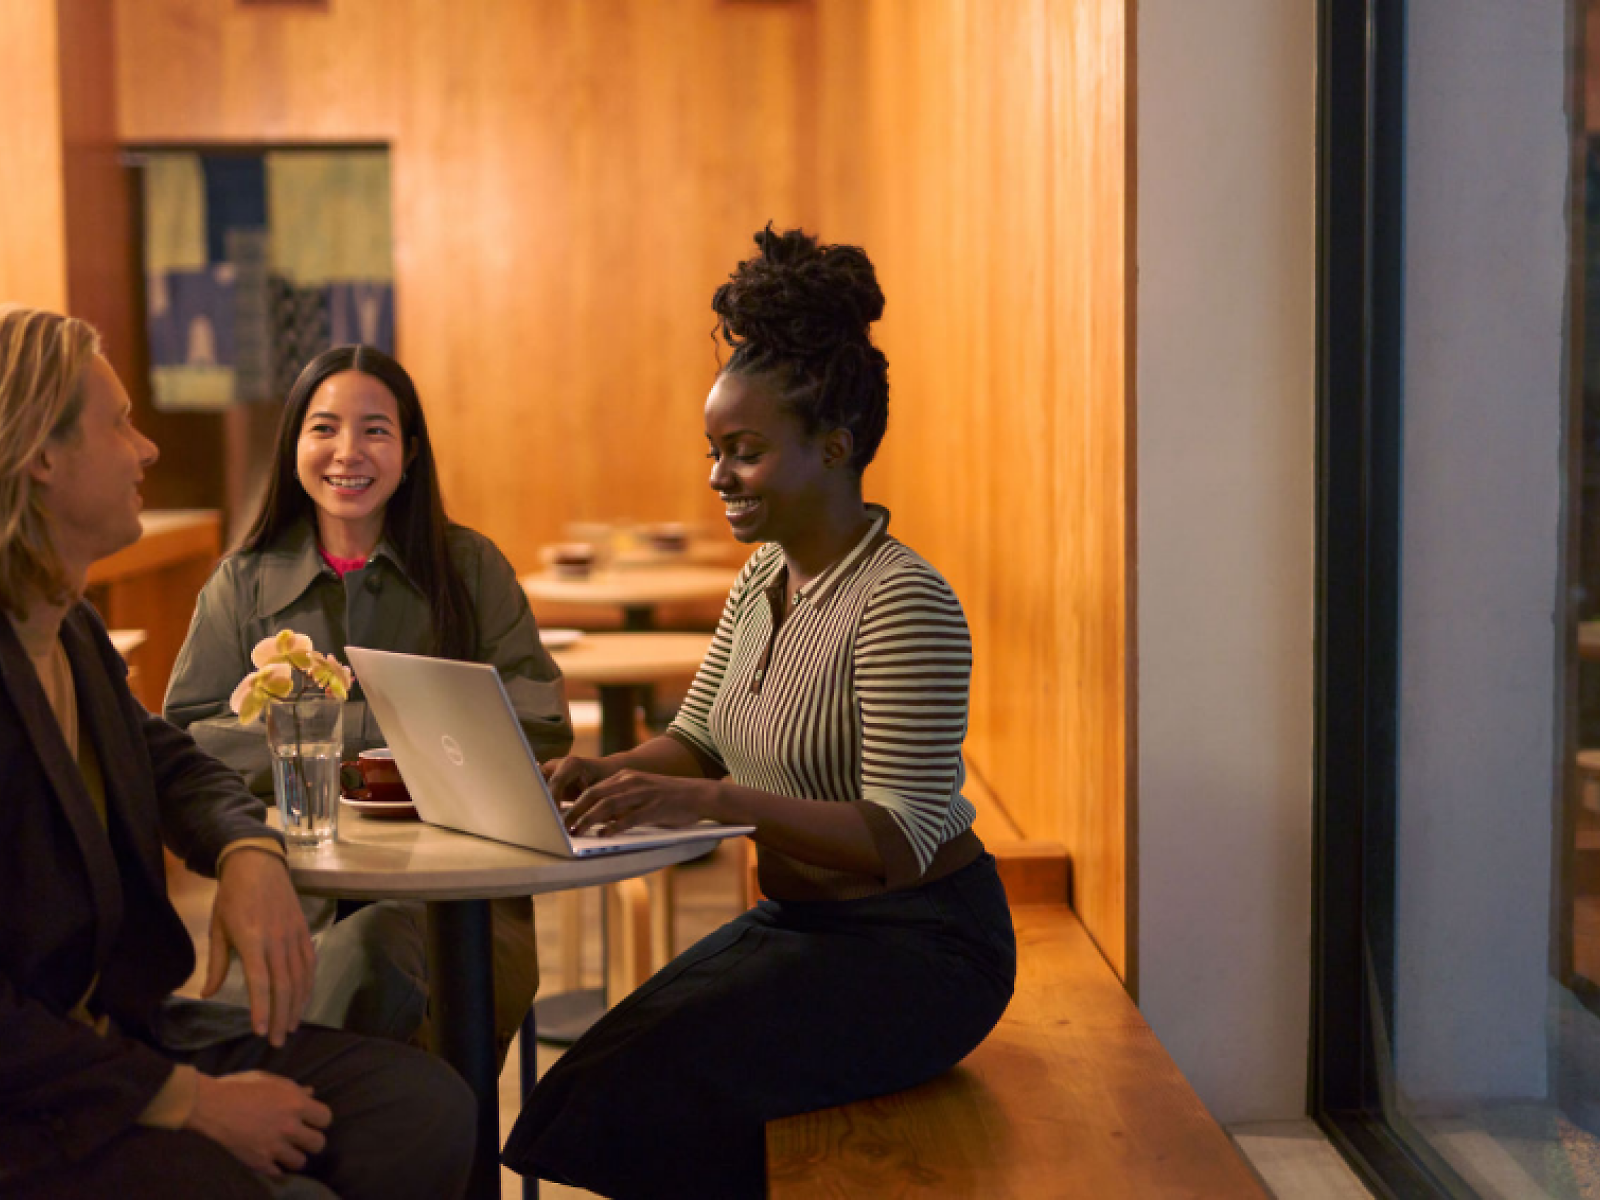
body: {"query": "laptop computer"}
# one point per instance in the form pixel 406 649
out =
pixel 467 765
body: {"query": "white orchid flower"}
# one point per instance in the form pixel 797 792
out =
pixel 286 646
pixel 331 675
pixel 273 681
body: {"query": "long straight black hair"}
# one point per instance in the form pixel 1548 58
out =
pixel 414 519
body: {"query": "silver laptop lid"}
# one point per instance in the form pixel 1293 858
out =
pixel 464 758
pixel 460 748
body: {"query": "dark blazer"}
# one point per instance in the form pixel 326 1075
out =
pixel 79 899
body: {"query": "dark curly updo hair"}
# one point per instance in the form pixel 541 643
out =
pixel 797 316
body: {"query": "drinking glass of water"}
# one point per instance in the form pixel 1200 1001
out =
pixel 306 737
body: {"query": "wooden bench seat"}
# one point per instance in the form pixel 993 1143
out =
pixel 1071 1095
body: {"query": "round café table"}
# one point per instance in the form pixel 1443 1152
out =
pixel 698 553
pixel 635 590
pixel 457 875
pixel 620 666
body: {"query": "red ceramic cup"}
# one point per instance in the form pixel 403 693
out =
pixel 382 777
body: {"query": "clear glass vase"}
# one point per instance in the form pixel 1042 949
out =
pixel 306 737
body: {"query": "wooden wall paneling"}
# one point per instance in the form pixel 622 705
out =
pixel 489 233
pixel 1101 826
pixel 572 180
pixel 33 254
pixel 631 439
pixel 103 284
pixel 1121 198
pixel 839 137
pixel 254 74
pixel 977 151
pixel 152 585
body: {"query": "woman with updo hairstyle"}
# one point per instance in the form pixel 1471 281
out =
pixel 829 714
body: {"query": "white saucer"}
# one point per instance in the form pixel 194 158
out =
pixel 558 639
pixel 380 808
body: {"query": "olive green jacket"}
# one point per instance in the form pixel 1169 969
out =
pixel 251 596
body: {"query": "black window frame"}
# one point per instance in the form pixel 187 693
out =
pixel 1360 314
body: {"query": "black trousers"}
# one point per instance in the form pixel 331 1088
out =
pixel 788 1008
pixel 402 1120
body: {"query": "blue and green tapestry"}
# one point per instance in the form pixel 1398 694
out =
pixel 254 263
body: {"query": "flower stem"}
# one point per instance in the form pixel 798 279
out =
pixel 299 764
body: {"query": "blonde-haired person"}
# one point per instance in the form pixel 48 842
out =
pixel 110 1084
pixel 42 359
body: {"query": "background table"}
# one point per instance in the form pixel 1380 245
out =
pixel 635 590
pixel 700 552
pixel 619 665
pixel 457 875
pixel 152 585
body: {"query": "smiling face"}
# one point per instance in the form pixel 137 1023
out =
pixel 775 480
pixel 89 477
pixel 350 459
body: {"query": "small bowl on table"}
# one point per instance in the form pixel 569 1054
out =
pixel 668 537
pixel 570 560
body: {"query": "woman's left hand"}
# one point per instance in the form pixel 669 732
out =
pixel 631 798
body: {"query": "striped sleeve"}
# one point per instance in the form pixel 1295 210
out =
pixel 692 724
pixel 913 664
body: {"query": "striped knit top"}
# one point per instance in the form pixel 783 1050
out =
pixel 857 696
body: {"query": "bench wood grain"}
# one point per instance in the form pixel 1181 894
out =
pixel 1072 1095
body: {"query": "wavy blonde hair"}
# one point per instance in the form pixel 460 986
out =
pixel 43 357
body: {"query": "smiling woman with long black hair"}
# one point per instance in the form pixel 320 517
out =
pixel 829 713
pixel 351 546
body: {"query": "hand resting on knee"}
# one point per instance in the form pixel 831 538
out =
pixel 267 1122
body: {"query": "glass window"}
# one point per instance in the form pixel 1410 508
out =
pixel 1457 1044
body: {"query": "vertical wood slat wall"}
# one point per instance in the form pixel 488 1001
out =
pixel 980 151
pixel 572 179
pixel 66 221
pixel 33 251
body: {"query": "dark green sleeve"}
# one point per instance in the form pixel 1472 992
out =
pixel 508 638
pixel 213 660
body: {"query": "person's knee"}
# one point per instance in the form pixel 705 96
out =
pixel 452 1106
pixel 432 1127
pixel 403 1126
pixel 371 974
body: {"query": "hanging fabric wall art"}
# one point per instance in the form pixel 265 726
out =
pixel 256 262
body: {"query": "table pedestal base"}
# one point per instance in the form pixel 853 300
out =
pixel 461 975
